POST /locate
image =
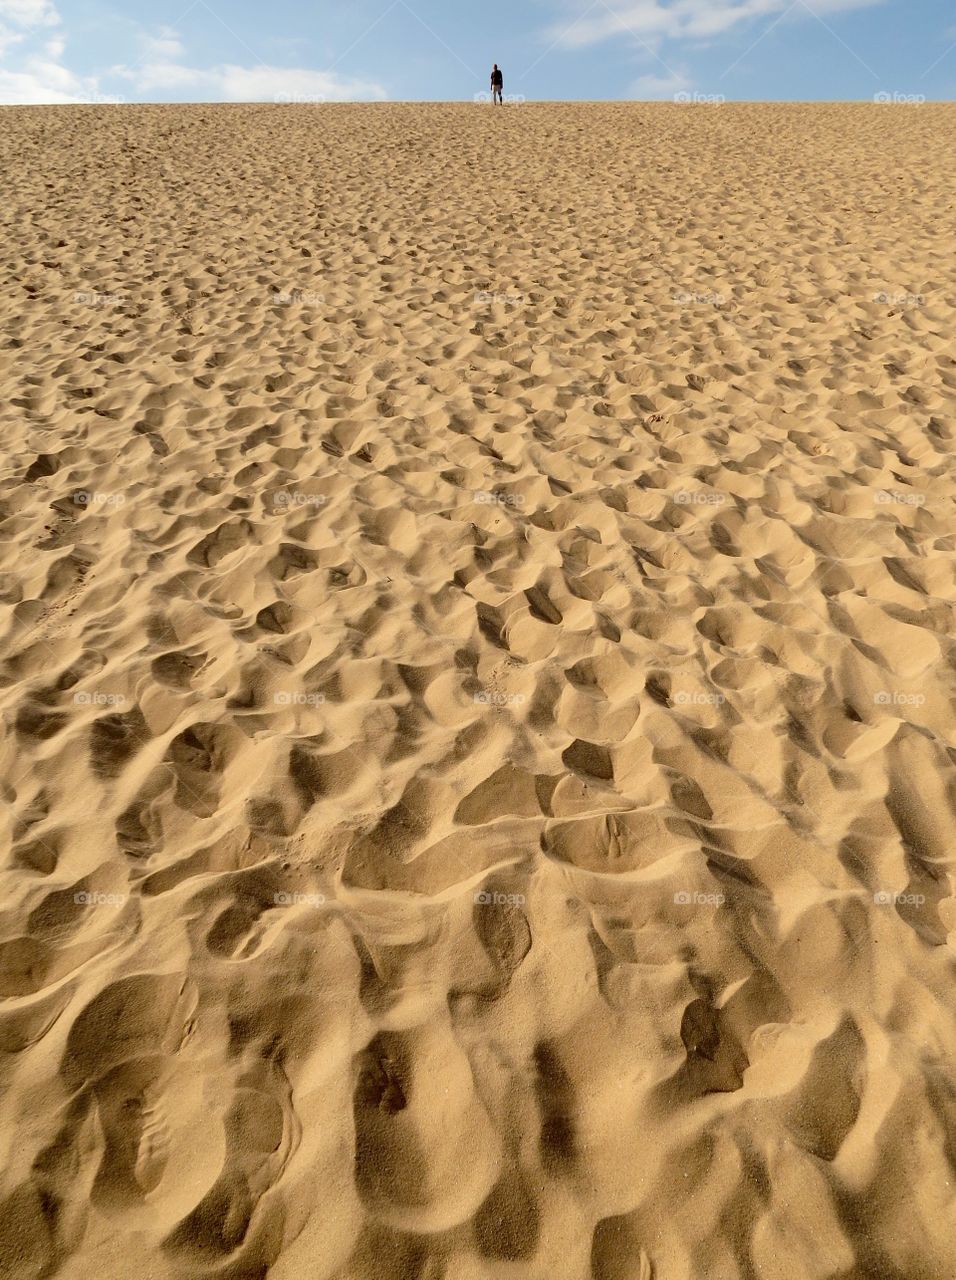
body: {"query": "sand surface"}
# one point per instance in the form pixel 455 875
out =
pixel 478 692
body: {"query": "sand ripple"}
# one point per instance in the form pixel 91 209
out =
pixel 478 691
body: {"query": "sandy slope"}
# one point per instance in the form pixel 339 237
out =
pixel 478 690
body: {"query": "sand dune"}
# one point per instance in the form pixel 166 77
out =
pixel 478 682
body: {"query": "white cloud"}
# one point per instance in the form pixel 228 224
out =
pixel 261 84
pixel 24 15
pixel 29 13
pixel 161 71
pixel 8 39
pixel 40 75
pixel 19 17
pixel 651 20
pixel 166 44
pixel 646 18
pixel 44 80
pixel 651 86
pixel 158 75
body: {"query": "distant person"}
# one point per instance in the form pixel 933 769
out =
pixel 497 85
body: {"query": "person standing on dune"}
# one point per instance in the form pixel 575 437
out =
pixel 497 85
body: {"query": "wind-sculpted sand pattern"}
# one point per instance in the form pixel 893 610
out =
pixel 478 690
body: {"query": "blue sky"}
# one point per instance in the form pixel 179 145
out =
pixel 287 50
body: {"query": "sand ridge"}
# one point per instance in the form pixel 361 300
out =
pixel 477 692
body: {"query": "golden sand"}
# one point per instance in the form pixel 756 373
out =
pixel 478 691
